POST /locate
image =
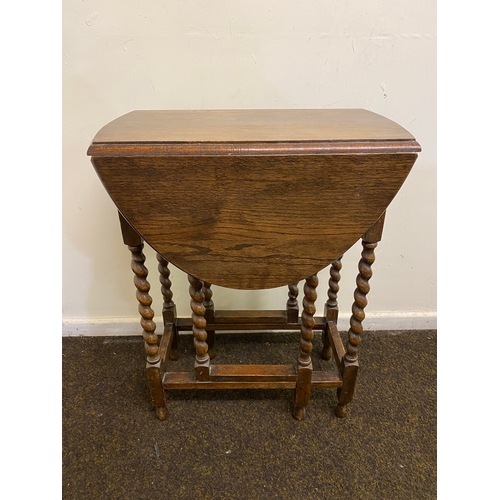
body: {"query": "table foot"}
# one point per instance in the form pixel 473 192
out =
pixel 340 411
pixel 299 412
pixel 327 352
pixel 304 362
pixel 162 412
pixel 174 354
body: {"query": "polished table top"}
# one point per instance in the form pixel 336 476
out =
pixel 252 199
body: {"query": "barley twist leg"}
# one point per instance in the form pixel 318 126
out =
pixel 202 361
pixel 350 361
pixel 150 338
pixel 292 305
pixel 331 306
pixel 209 316
pixel 169 310
pixel 304 362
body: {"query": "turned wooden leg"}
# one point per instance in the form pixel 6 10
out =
pixel 331 306
pixel 304 363
pixel 153 370
pixel 292 306
pixel 202 361
pixel 350 363
pixel 169 311
pixel 209 317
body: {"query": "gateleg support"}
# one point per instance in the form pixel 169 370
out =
pixel 331 307
pixel 350 364
pixel 154 375
pixel 346 393
pixel 304 362
pixel 202 359
pixel 169 311
pixel 153 358
pixel 292 306
pixel 209 317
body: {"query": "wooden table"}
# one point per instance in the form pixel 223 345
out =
pixel 252 199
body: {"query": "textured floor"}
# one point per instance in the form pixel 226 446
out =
pixel 245 444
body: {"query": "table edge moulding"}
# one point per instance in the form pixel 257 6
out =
pixel 252 199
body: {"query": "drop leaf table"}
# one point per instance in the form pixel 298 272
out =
pixel 252 199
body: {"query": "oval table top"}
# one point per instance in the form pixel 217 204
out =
pixel 252 199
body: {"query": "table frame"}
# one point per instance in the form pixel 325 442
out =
pixel 206 320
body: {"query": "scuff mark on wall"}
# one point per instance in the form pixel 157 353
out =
pixel 382 86
pixel 125 44
pixel 151 81
pixel 231 31
pixel 90 20
pixel 208 31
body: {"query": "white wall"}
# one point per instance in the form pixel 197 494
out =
pixel 124 55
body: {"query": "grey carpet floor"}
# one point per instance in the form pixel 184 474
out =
pixel 244 444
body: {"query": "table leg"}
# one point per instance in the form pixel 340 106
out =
pixel 331 306
pixel 135 244
pixel 209 316
pixel 350 363
pixel 292 306
pixel 304 362
pixel 153 370
pixel 169 310
pixel 202 361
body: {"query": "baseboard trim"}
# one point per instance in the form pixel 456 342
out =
pixel 108 327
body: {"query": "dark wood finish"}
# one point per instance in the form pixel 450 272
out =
pixel 214 131
pixel 185 324
pixel 326 379
pixel 360 300
pixel 346 392
pixel 331 306
pixel 209 317
pixel 246 190
pixel 350 360
pixel 208 302
pixel 249 317
pixel 247 234
pixel 374 234
pixel 242 228
pixel 130 236
pixel 292 306
pixel 335 341
pixel 248 373
pixel 166 345
pixel 169 311
pixel 202 361
pixel 147 314
pixel 187 380
pixel 304 362
pixel 154 376
pixel 153 369
pixel 252 149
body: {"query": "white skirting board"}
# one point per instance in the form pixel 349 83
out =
pixel 104 327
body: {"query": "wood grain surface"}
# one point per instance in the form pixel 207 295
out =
pixel 253 222
pixel 250 132
pixel 251 125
